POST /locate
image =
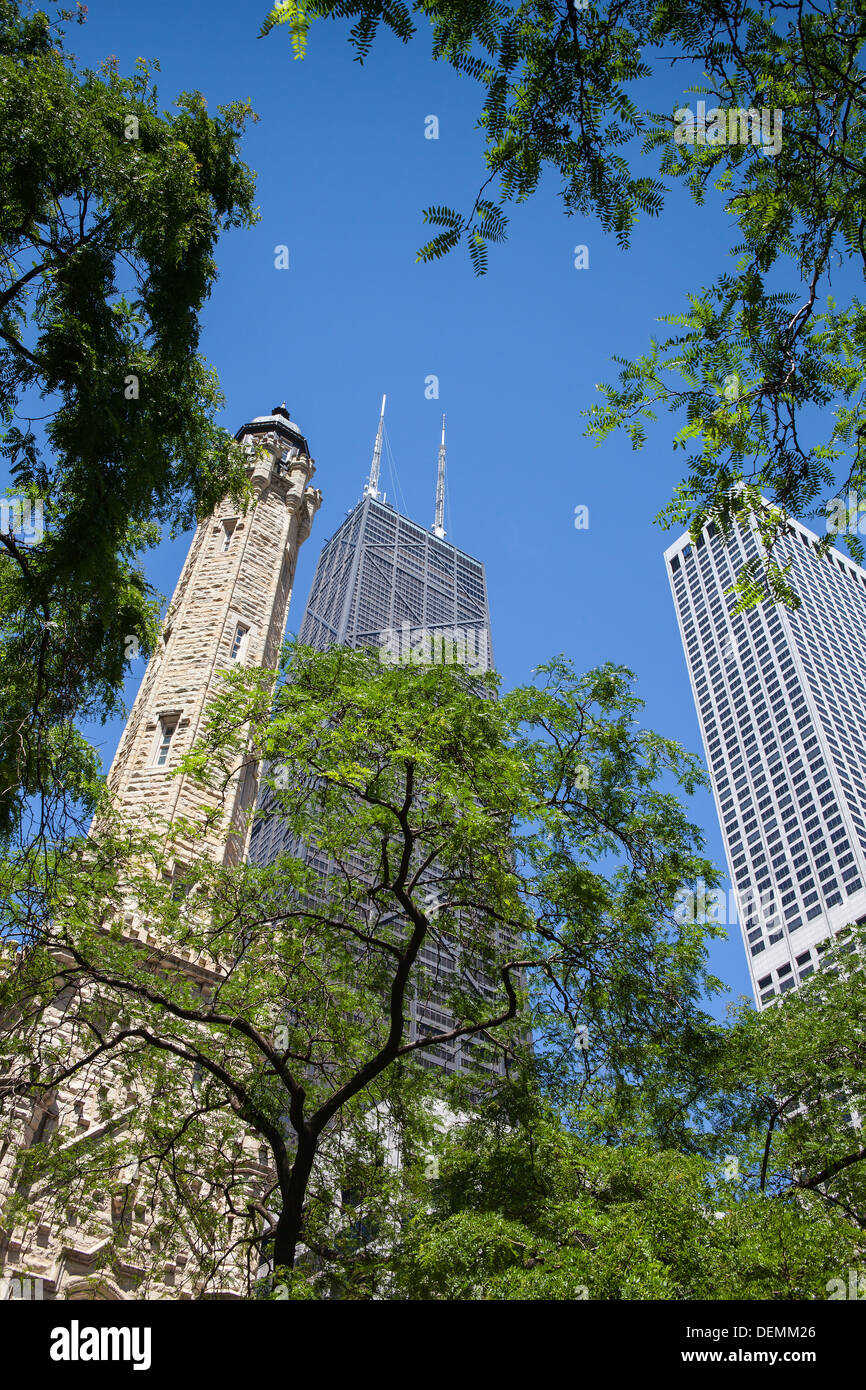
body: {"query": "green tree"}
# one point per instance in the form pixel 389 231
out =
pixel 765 367
pixel 110 213
pixel 527 1206
pixel 550 1194
pixel 802 1061
pixel 528 839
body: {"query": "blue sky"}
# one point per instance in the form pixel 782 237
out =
pixel 344 171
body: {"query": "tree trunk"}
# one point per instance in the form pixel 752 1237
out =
pixel 290 1223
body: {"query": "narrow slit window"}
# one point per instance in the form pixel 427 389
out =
pixel 166 735
pixel 237 644
pixel 228 532
pixel 179 883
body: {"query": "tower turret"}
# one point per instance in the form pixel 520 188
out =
pixel 230 605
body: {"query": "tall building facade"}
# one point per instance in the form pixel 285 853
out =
pixel 382 581
pixel 230 605
pixel 781 703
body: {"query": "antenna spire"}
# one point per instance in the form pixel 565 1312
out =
pixel 372 488
pixel 438 524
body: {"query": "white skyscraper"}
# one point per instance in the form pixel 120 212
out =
pixel 781 700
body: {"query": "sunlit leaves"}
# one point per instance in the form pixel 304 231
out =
pixel 111 212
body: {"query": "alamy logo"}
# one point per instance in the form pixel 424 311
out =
pixel 421 646
pixel 433 903
pixel 856 1286
pixel 733 125
pixel 23 519
pixel 847 518
pixel 714 905
pixel 24 1287
pixel 76 1343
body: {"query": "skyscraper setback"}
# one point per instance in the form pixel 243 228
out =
pixel 782 709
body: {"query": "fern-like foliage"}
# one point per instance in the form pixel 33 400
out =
pixel 751 361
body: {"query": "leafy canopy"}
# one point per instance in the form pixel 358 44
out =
pixel 765 367
pixel 109 216
pixel 463 872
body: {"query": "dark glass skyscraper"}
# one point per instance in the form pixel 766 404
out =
pixel 383 581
